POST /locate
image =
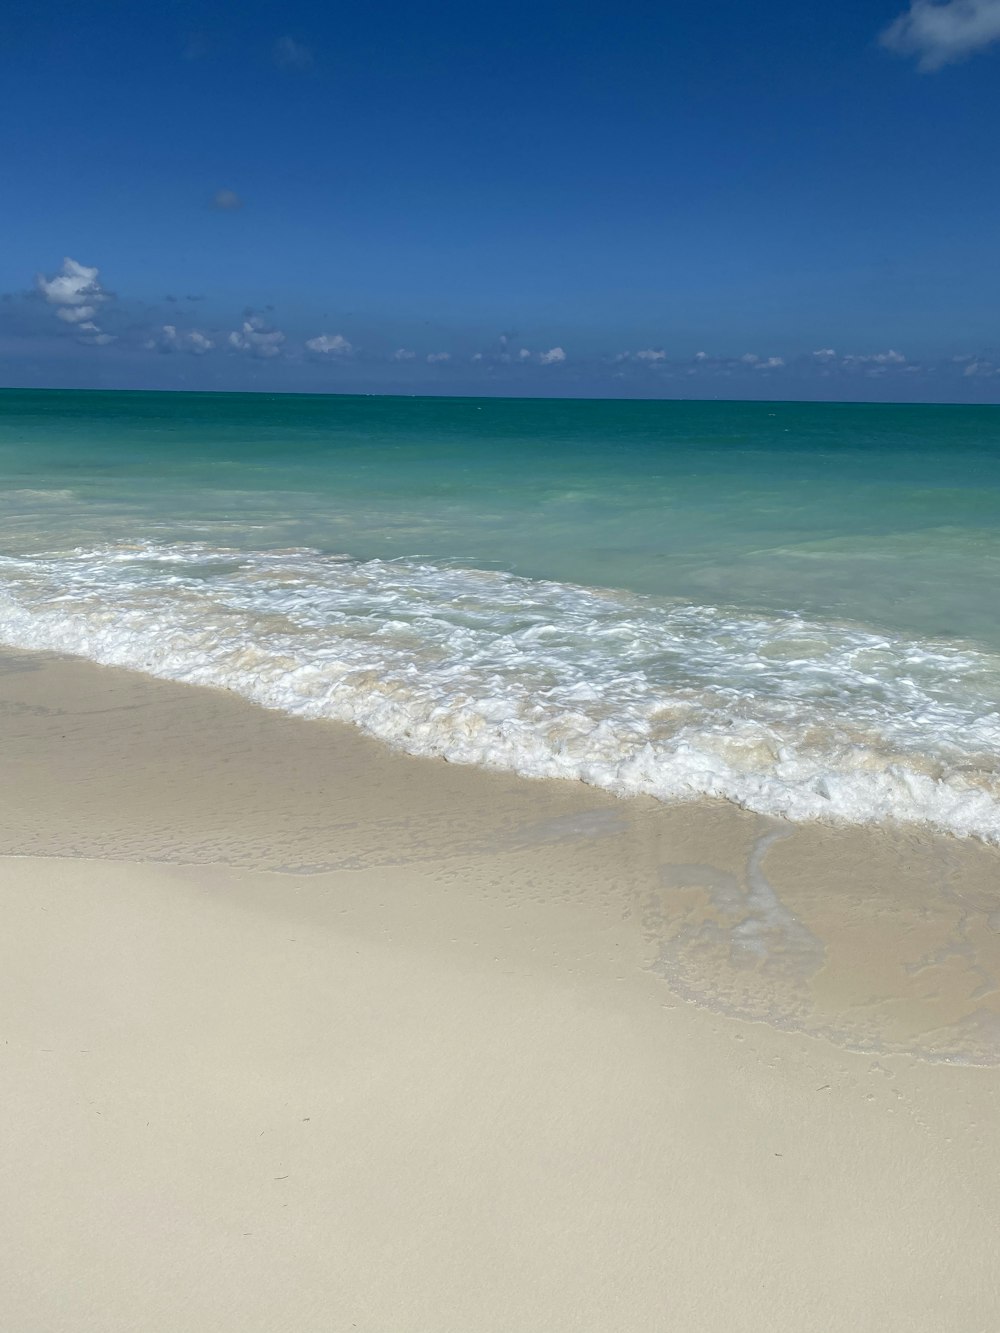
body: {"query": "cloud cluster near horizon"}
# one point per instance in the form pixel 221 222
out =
pixel 169 339
pixel 330 344
pixel 524 356
pixel 943 34
pixel 254 338
pixel 74 295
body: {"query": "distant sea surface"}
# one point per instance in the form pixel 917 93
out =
pixel 792 606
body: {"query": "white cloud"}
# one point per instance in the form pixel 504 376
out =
pixel 755 362
pixel 648 356
pixel 403 354
pixel 524 354
pixel 255 339
pixel 226 201
pixel 170 339
pixel 477 356
pixel 943 34
pixel 729 365
pixel 434 358
pixel 76 314
pixel 290 54
pixel 552 357
pixel 74 284
pixel 889 358
pixel 979 368
pixel 825 354
pixel 76 292
pixel 331 344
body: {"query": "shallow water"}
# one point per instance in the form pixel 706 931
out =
pixel 793 606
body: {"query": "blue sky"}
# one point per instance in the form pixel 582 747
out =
pixel 780 200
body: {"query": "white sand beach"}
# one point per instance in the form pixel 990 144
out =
pixel 302 1034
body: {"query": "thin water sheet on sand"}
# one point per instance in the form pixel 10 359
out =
pixel 882 940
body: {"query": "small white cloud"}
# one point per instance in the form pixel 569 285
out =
pixel 552 357
pixel 750 358
pixel 165 340
pixel 701 356
pixel 825 354
pixel 941 34
pixel 434 358
pixel 524 354
pixel 403 354
pixel 91 336
pixel 76 314
pixel 254 339
pixel 290 54
pixel 883 359
pixel 980 369
pixel 331 344
pixel 476 356
pixel 226 201
pixel 169 339
pixel 772 363
pixel 648 356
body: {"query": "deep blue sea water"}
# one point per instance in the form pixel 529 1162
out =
pixel 793 606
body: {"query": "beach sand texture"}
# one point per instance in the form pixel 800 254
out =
pixel 299 1033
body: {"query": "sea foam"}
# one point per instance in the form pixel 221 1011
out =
pixel 781 714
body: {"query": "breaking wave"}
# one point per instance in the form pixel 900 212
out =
pixel 780 714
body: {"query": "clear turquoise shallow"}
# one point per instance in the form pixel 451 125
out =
pixel 854 529
pixel 885 514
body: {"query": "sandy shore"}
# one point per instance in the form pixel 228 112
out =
pixel 300 1034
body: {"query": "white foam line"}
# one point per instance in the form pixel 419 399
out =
pixel 779 714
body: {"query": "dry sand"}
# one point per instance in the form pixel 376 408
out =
pixel 302 1035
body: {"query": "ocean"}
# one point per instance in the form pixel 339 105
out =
pixel 791 606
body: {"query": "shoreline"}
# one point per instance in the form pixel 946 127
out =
pixel 879 938
pixel 306 1033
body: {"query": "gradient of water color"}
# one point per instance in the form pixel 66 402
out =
pixel 792 606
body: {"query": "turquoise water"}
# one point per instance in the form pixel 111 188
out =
pixel 794 606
